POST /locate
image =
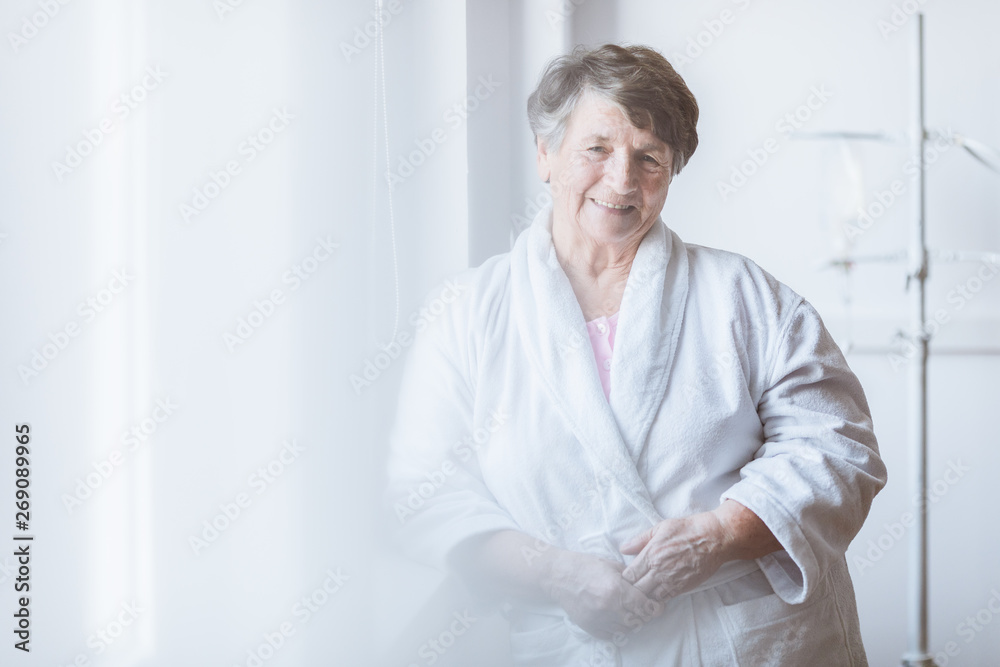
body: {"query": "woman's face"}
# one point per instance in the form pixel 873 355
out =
pixel 609 178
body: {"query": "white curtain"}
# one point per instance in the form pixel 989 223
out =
pixel 197 257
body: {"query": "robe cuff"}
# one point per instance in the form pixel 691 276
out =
pixel 794 572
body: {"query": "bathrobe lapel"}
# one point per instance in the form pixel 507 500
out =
pixel 649 326
pixel 554 337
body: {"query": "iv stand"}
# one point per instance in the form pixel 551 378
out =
pixel 917 655
pixel 917 257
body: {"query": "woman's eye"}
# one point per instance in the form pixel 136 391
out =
pixel 597 149
pixel 650 159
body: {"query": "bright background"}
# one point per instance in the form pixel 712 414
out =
pixel 227 69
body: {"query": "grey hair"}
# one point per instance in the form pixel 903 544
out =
pixel 636 79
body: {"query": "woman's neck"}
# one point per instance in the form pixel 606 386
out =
pixel 597 272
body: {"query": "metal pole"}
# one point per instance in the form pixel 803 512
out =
pixel 917 655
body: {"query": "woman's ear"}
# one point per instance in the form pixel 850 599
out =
pixel 542 158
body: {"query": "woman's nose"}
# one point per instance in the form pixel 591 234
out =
pixel 620 174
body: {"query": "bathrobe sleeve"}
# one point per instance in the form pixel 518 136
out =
pixel 435 491
pixel 813 480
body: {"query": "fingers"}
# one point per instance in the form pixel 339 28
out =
pixel 639 575
pixel 637 569
pixel 639 611
pixel 670 580
pixel 631 613
pixel 649 583
pixel 657 584
pixel 640 605
pixel 663 592
pixel 637 543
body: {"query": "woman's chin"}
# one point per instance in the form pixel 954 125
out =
pixel 613 230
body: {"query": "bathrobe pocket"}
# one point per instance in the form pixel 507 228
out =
pixel 766 630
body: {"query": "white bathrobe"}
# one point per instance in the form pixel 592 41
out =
pixel 724 384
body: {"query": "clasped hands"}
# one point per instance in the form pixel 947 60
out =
pixel 604 597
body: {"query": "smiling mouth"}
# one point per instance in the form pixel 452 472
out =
pixel 615 207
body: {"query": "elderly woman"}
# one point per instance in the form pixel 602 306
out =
pixel 653 451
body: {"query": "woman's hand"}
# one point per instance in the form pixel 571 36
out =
pixel 677 555
pixel 595 596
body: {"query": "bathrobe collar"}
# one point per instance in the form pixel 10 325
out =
pixel 554 337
